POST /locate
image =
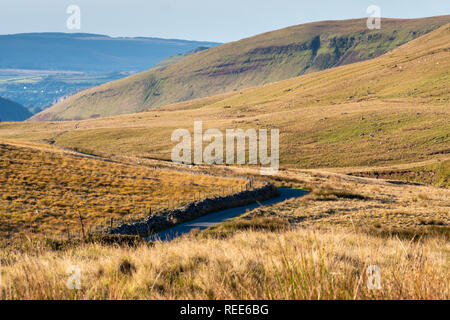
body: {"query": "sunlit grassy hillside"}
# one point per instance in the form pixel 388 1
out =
pixel 262 59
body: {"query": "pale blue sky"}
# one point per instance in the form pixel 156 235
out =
pixel 213 20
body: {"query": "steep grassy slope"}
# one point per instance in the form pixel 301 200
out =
pixel 254 61
pixel 12 111
pixel 392 109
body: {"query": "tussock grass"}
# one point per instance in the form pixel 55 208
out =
pixel 410 234
pixel 298 264
pixel 357 202
pixel 102 239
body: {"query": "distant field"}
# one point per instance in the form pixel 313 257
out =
pixel 38 69
pixel 43 190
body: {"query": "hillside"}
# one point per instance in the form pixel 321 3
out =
pixel 389 110
pixel 88 52
pixel 12 111
pixel 249 62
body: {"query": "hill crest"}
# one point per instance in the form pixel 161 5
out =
pixel 265 58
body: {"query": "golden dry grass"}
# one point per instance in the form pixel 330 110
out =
pixel 338 199
pixel 317 247
pixel 298 264
pixel 437 174
pixel 43 190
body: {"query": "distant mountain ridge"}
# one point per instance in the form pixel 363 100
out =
pixel 254 61
pixel 88 52
pixel 12 111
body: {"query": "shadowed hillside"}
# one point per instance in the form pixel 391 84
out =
pixel 249 62
pixel 12 111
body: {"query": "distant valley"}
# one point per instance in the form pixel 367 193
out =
pixel 33 73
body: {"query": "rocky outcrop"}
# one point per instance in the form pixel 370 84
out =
pixel 169 218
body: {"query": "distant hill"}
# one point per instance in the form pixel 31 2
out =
pixel 88 52
pixel 172 59
pixel 258 60
pixel 386 111
pixel 12 111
